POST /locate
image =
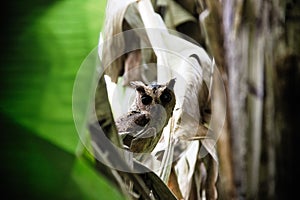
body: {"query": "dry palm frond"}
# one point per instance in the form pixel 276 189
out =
pixel 185 131
pixel 189 88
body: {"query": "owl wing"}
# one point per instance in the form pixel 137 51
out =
pixel 131 125
pixel 132 122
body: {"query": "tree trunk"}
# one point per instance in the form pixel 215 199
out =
pixel 262 59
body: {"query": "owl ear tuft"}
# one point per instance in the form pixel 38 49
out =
pixel 138 85
pixel 171 83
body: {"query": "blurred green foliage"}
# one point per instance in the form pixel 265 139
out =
pixel 42 46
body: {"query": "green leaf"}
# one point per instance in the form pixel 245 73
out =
pixel 37 169
pixel 44 44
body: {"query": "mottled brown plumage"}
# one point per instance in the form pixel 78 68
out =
pixel 141 128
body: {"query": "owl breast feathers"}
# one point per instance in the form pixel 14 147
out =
pixel 141 128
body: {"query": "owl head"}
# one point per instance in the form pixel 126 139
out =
pixel 160 96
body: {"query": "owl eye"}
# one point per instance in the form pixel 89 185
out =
pixel 146 99
pixel 165 97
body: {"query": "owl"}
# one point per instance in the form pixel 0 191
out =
pixel 141 127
